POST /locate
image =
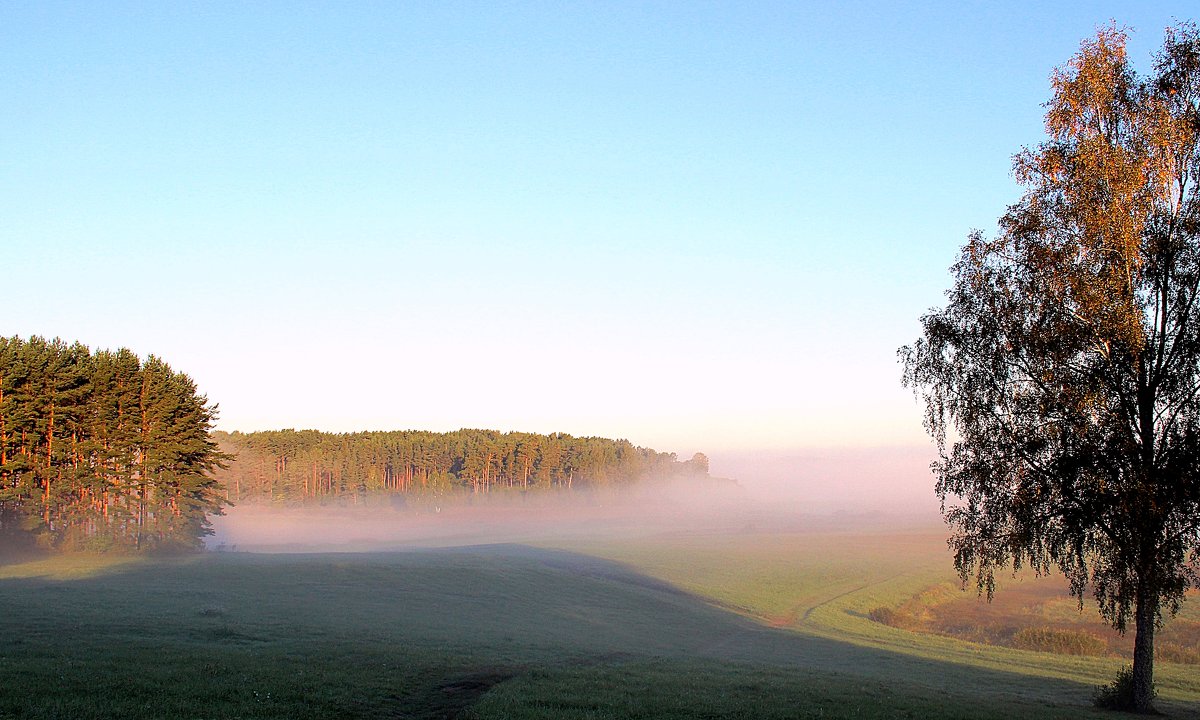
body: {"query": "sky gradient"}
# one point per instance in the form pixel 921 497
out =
pixel 698 226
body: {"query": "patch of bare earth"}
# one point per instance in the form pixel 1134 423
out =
pixel 449 698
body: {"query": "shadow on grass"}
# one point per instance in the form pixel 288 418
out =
pixel 427 634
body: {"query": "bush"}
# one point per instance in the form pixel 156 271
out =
pixel 1171 652
pixel 893 617
pixel 1118 695
pixel 1063 642
pixel 883 615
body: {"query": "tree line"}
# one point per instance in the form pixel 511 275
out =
pixel 106 451
pixel 297 466
pixel 102 450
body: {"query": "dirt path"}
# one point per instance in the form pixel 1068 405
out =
pixel 801 612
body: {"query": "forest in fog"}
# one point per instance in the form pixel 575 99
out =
pixel 307 466
pixel 106 451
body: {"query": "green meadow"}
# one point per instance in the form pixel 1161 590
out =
pixel 678 625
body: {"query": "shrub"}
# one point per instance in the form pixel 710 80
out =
pixel 1118 695
pixel 1171 652
pixel 1063 642
pixel 893 617
pixel 882 615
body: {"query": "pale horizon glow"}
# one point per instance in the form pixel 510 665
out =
pixel 697 227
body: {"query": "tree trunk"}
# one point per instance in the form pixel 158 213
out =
pixel 3 438
pixel 1143 654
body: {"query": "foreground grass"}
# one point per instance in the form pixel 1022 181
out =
pixel 499 632
pixel 684 690
pixel 824 584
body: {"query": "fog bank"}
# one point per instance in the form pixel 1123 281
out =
pixel 892 481
pixel 774 492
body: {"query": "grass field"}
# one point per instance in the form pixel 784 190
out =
pixel 683 625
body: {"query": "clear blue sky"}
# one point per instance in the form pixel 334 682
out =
pixel 695 225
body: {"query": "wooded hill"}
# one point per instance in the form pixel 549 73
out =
pixel 292 466
pixel 101 450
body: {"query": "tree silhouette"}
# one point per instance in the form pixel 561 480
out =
pixel 1062 379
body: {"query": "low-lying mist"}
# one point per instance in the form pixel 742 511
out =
pixel 775 493
pixel 890 481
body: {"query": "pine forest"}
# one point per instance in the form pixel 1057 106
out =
pixel 106 451
pixel 102 450
pixel 307 466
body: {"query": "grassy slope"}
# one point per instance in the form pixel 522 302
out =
pixel 511 631
pixel 824 584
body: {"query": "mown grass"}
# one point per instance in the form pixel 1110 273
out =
pixel 500 632
pixel 684 690
pixel 832 581
pixel 779 577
